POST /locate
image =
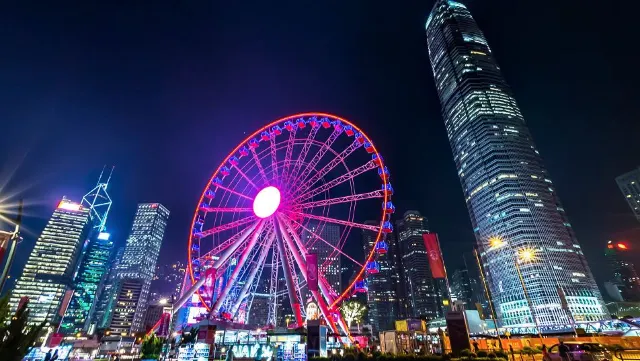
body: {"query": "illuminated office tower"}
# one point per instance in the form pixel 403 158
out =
pixel 511 199
pixel 421 291
pixel 382 295
pixel 620 258
pixel 629 184
pixel 87 284
pixel 106 299
pixel 93 264
pixel 329 260
pixel 47 276
pixel 137 267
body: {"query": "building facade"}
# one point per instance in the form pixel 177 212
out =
pixel 101 318
pixel 329 260
pixel 422 297
pixel 629 184
pixel 511 199
pixel 87 283
pixel 382 295
pixel 48 273
pixel 136 269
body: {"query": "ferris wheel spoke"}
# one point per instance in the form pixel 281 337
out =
pixel 288 154
pixel 272 316
pixel 339 180
pixel 335 221
pixel 245 177
pixel 257 266
pixel 329 166
pixel 225 210
pixel 274 159
pixel 236 271
pixel 221 247
pixel 259 165
pixel 218 186
pixel 345 199
pixel 301 244
pixel 303 153
pixel 226 227
pixel 318 156
pixel 233 246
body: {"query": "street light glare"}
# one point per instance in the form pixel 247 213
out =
pixel 496 242
pixel 163 301
pixel 527 255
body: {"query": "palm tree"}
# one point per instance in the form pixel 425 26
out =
pixel 353 311
pixel 16 336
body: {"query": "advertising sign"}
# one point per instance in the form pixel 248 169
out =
pixel 434 254
pixel 312 271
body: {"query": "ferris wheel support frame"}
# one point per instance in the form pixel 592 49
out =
pixel 293 297
pixel 236 271
pixel 245 289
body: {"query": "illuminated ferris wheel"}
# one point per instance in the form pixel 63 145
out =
pixel 260 228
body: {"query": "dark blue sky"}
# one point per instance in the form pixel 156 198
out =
pixel 163 90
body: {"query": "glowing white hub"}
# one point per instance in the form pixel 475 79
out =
pixel 266 202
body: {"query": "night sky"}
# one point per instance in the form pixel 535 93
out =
pixel 164 90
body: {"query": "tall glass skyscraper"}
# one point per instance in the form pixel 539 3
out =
pixel 629 184
pixel 422 296
pixel 511 199
pixel 137 267
pixel 382 294
pixel 94 261
pixel 48 273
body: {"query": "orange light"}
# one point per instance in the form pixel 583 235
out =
pixel 610 246
pixel 622 246
pixel 69 206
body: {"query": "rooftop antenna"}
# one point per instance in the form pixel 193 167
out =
pixel 99 201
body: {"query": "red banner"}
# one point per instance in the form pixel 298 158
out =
pixel 312 271
pixel 434 254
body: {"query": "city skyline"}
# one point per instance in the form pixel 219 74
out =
pixel 413 197
pixel 397 87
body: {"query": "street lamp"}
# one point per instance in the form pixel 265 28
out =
pixel 523 256
pixel 164 302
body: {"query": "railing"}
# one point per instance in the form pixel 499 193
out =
pixel 627 355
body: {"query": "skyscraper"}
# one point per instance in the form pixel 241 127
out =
pixel 49 270
pixel 92 267
pixel 511 199
pixel 421 293
pixel 461 288
pixel 136 269
pixel 382 297
pixel 624 272
pixel 91 274
pixel 629 184
pixel 105 304
pixel 329 260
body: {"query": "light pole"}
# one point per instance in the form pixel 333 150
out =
pixel 489 298
pixel 527 255
pixel 12 240
pixel 168 306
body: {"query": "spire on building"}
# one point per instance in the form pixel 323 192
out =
pixel 99 201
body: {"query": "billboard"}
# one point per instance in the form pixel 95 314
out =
pixel 435 255
pixel 312 271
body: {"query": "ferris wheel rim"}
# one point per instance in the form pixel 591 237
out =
pixel 385 180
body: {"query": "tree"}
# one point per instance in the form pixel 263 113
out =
pixel 16 336
pixel 189 336
pixel 151 347
pixel 353 311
